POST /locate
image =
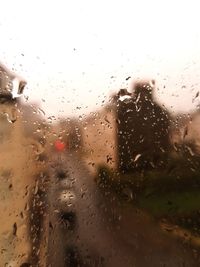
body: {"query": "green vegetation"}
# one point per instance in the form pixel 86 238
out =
pixel 172 193
pixel 171 204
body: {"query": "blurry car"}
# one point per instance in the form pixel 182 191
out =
pixel 62 206
pixel 62 196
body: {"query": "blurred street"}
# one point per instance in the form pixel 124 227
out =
pixel 107 233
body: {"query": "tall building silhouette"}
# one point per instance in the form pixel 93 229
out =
pixel 142 128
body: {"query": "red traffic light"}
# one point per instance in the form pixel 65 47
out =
pixel 59 145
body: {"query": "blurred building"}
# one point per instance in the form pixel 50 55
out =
pixel 142 128
pixel 99 138
pixel 131 132
pixel 21 174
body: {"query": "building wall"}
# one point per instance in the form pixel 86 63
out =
pixel 99 139
pixel 19 169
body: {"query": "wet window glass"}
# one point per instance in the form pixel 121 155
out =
pixel 99 133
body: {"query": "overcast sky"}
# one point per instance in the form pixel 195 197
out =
pixel 73 54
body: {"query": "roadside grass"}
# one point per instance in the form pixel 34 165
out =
pixel 171 203
pixel 172 194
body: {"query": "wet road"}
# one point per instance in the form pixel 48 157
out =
pixel 104 232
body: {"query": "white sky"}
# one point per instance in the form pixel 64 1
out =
pixel 68 50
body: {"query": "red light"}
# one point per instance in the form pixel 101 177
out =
pixel 59 145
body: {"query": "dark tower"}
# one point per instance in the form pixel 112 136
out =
pixel 142 129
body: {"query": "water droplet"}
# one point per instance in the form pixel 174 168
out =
pixel 137 157
pixel 15 229
pixel 11 115
pixel 128 193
